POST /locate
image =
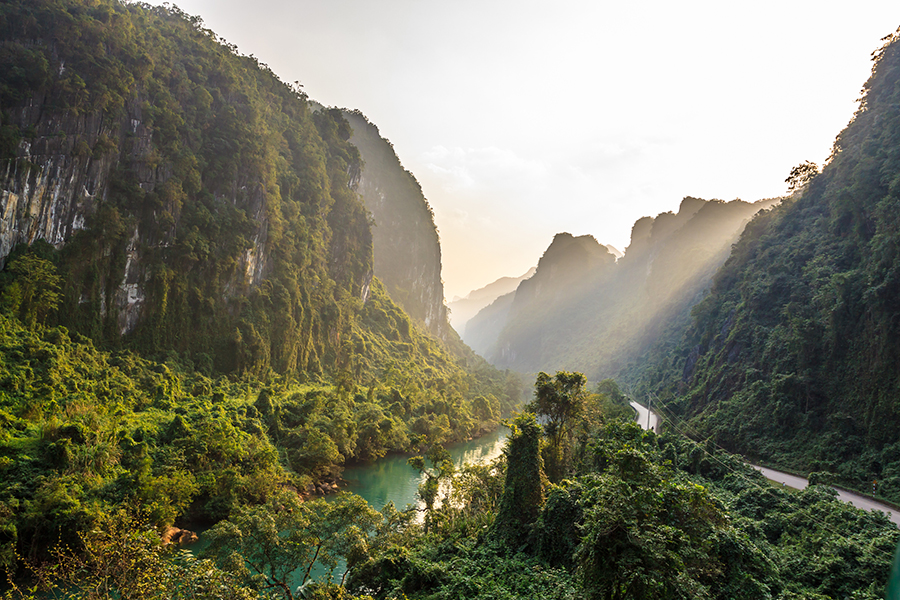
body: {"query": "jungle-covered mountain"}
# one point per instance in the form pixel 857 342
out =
pixel 189 320
pixel 587 311
pixel 203 207
pixel 793 357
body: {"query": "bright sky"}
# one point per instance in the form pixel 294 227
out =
pixel 522 119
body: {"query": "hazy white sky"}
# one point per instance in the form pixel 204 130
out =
pixel 522 119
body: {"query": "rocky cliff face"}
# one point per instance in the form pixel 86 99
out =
pixel 407 251
pixel 196 204
pixel 59 178
pixel 66 170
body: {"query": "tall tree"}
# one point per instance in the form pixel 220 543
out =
pixel 442 469
pixel 523 492
pixel 559 400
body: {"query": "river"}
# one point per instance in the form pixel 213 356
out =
pixel 391 479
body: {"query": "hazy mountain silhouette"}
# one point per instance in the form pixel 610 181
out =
pixel 463 309
pixel 583 310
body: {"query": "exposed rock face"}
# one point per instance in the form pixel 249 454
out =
pixel 61 177
pixel 407 251
pixel 50 190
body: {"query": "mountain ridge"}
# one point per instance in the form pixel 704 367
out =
pixel 792 356
pixel 601 318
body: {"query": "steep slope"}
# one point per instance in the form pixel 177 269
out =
pixel 197 204
pixel 794 355
pixel 187 205
pixel 463 309
pixel 406 246
pixel 189 320
pixel 601 316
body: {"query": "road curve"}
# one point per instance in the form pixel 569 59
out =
pixel 645 417
pixel 786 479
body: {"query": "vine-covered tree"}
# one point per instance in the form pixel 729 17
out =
pixel 560 401
pixel 523 493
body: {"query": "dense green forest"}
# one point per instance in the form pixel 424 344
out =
pixel 622 513
pixel 85 431
pixel 189 322
pixel 793 357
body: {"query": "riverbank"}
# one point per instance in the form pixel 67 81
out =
pixel 391 479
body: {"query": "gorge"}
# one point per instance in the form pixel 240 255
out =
pixel 218 295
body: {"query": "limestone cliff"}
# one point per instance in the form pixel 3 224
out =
pixel 66 170
pixel 195 202
pixel 406 246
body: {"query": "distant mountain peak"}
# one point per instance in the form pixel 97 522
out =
pixel 464 308
pixel 585 310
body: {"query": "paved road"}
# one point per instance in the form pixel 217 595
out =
pixel 786 479
pixel 646 418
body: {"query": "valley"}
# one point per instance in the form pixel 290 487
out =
pixel 222 310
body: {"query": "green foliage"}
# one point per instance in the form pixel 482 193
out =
pixel 792 356
pixel 560 401
pixel 83 432
pixel 645 535
pixel 266 544
pixel 649 517
pixel 442 469
pixel 523 492
pixel 122 558
pixel 31 290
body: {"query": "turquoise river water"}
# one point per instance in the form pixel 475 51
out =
pixel 391 479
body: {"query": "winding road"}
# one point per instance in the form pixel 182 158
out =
pixel 651 420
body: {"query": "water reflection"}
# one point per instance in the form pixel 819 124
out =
pixel 390 479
